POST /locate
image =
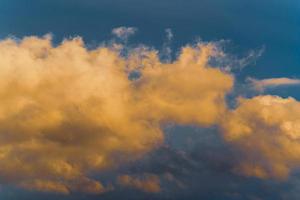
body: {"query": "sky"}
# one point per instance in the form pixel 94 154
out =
pixel 140 99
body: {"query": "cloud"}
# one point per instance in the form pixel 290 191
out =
pixel 124 32
pixel 265 131
pixel 232 62
pixel 204 171
pixel 148 182
pixel 67 112
pixel 169 34
pixel 166 52
pixel 263 84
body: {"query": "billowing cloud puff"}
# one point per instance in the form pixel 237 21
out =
pixel 266 131
pixel 182 91
pixel 67 112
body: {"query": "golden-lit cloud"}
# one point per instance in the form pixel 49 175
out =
pixel 266 131
pixel 67 112
pixel 147 182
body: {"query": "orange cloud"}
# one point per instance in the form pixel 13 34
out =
pixel 148 183
pixel 265 129
pixel 67 111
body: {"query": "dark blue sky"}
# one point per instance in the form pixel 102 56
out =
pixel 249 25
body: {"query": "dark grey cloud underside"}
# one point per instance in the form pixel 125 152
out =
pixel 203 169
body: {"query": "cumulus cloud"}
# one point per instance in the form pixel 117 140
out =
pixel 67 112
pixel 265 131
pixel 263 84
pixel 124 32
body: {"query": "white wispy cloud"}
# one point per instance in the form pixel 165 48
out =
pixel 124 32
pixel 166 52
pixel 272 82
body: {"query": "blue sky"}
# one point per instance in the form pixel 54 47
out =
pixel 247 24
pixel 271 25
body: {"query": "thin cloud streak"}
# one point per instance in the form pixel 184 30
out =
pixel 263 84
